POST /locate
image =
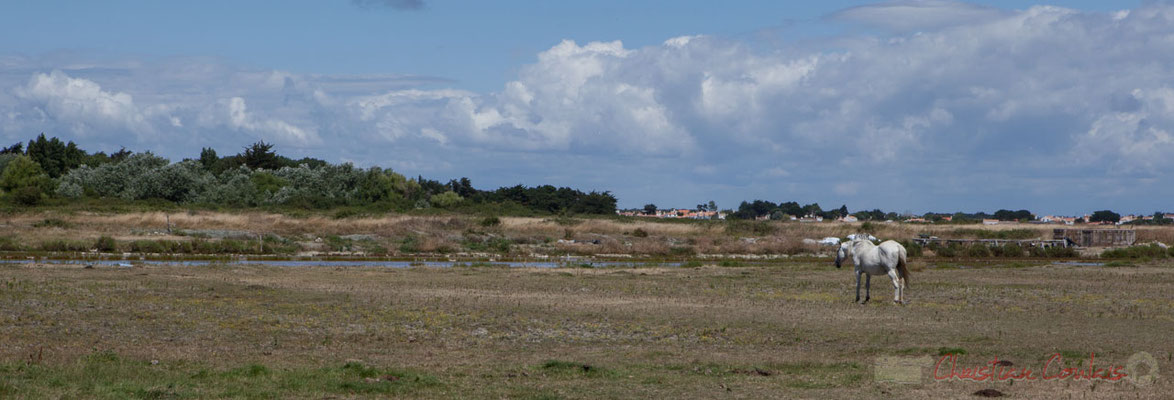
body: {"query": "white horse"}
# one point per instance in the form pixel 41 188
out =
pixel 886 259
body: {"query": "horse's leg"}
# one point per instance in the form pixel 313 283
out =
pixel 896 286
pixel 858 286
pixel 867 288
pixel 902 290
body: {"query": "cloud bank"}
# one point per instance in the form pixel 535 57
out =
pixel 959 107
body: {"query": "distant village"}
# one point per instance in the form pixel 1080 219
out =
pixel 1088 219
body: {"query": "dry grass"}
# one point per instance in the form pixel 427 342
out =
pixel 781 331
pixel 526 236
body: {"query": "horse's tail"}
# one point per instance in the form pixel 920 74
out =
pixel 901 269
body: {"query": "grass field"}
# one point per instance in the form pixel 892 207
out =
pixel 786 330
pixel 194 232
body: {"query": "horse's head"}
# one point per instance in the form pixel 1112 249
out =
pixel 842 253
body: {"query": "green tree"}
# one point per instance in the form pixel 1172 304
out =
pixel 650 209
pixel 24 179
pixel 463 187
pixel 208 157
pixel 446 199
pixel 17 148
pixel 260 155
pixel 54 156
pixel 812 209
pixel 1104 216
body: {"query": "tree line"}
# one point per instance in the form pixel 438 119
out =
pixel 258 176
pixel 785 210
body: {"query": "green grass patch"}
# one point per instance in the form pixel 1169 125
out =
pixel 942 351
pixel 560 367
pixel 106 375
pixel 9 243
pixel 63 245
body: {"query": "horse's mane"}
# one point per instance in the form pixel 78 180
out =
pixel 860 239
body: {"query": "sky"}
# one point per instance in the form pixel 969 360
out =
pixel 1062 107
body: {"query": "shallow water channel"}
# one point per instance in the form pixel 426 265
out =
pixel 565 263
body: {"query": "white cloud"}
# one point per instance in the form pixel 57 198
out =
pixel 235 114
pixel 82 104
pixel 958 94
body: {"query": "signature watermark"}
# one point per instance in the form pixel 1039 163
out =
pixel 1140 369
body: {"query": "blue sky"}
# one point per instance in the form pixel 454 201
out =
pixel 932 105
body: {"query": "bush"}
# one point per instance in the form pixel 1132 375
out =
pixel 978 250
pixel 1010 250
pixel 9 243
pixel 500 245
pixel 410 245
pixel 27 195
pixel 24 178
pixel 490 221
pixel 446 199
pixel 148 246
pixel 1053 252
pixel 63 245
pixel 912 249
pixel 951 250
pixel 1148 252
pixel 106 244
pixel 640 233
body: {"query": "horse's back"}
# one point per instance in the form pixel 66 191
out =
pixel 891 251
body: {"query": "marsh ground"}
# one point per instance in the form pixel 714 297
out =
pixel 785 330
pixel 398 235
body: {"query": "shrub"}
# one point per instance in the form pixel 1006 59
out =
pixel 951 250
pixel 148 246
pixel 1009 250
pixel 106 244
pixel 27 195
pixel 978 250
pixel 1147 251
pixel 912 249
pixel 9 243
pixel 1053 252
pixel 490 221
pixel 500 245
pixel 640 233
pixel 410 244
pixel 24 178
pixel 446 199
pixel 63 245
